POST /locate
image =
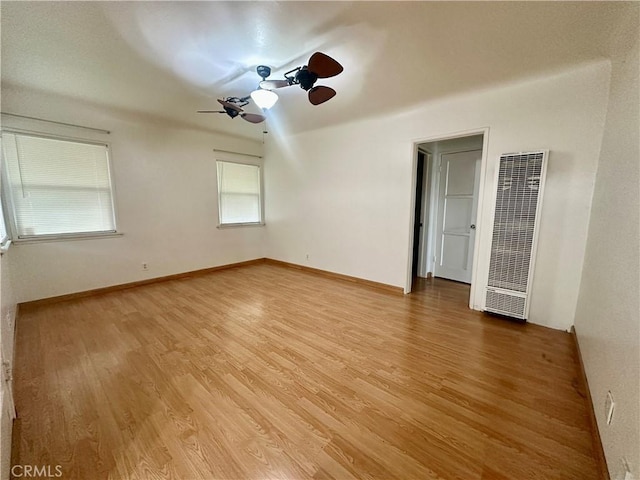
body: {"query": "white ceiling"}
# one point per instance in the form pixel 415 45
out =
pixel 172 58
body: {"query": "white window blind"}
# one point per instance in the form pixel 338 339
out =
pixel 58 187
pixel 4 237
pixel 4 232
pixel 239 193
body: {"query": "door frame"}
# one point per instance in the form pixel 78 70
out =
pixel 418 210
pixel 484 131
pixel 425 240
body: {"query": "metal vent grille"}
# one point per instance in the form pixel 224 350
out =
pixel 520 185
pixel 505 304
pixel 513 230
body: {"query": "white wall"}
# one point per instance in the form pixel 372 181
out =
pixel 7 324
pixel 165 196
pixel 343 195
pixel 608 314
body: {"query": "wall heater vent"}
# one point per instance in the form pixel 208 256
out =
pixel 515 228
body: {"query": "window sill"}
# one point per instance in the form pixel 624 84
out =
pixel 236 225
pixel 64 238
pixel 5 247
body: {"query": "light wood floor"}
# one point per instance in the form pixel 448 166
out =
pixel 265 372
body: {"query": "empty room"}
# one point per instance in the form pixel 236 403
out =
pixel 320 240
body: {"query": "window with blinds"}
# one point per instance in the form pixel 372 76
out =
pixel 4 232
pixel 4 235
pixel 57 187
pixel 239 193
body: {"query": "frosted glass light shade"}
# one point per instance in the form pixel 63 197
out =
pixel 265 99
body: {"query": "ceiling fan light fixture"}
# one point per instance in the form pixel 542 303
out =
pixel 264 99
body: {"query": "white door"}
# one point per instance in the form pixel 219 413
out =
pixel 457 209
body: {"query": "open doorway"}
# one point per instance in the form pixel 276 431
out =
pixel 447 194
pixel 423 163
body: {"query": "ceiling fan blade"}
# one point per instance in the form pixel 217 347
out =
pixel 230 105
pixel 318 95
pixel 253 117
pixel 324 66
pixel 273 84
pixel 211 111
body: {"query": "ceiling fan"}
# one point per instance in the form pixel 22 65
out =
pixel 319 66
pixel 232 106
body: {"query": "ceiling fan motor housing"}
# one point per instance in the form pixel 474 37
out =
pixel 231 112
pixel 306 78
pixel 263 71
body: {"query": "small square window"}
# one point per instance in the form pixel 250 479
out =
pixel 239 193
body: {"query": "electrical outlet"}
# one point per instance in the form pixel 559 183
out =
pixel 145 266
pixel 609 407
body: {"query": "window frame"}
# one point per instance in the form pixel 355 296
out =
pixel 240 159
pixel 7 197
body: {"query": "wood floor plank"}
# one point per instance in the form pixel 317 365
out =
pixel 265 371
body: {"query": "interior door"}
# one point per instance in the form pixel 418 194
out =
pixel 457 210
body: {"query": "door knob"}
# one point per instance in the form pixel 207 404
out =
pixel 472 227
